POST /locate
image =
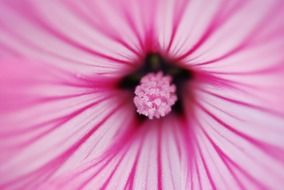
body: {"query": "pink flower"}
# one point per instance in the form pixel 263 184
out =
pixel 152 94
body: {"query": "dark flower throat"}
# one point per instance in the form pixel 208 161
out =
pixel 154 62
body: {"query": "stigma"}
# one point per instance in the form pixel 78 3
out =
pixel 155 95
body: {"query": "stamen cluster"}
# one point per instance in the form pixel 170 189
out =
pixel 155 95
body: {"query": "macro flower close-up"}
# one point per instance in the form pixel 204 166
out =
pixel 141 95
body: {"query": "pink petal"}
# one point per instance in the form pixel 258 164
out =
pixel 63 125
pixel 50 115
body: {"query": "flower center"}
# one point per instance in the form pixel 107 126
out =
pixel 155 95
pixel 157 85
